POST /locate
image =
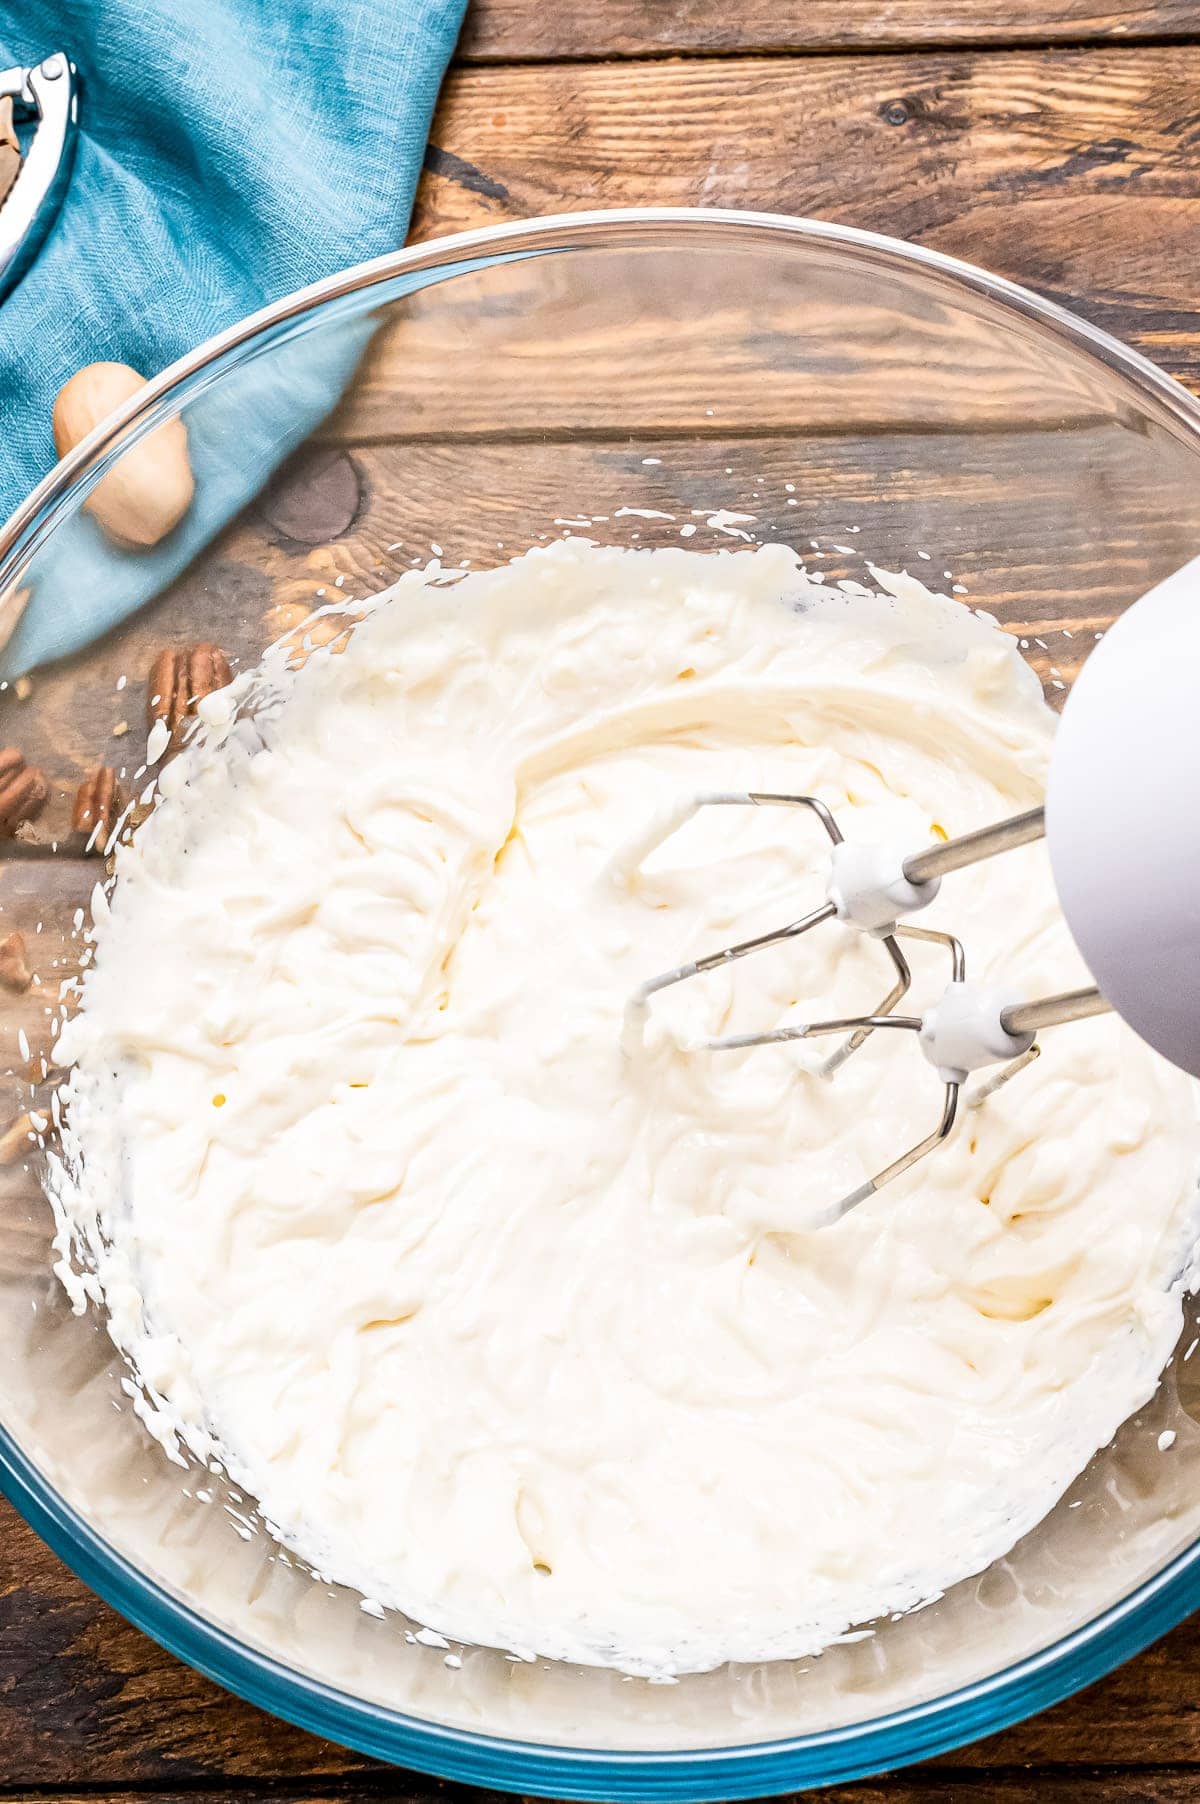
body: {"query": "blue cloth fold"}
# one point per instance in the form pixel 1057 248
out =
pixel 230 151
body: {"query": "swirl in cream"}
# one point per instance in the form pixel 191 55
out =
pixel 535 1340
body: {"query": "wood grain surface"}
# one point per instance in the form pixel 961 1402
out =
pixel 1073 171
pixel 1055 141
pixel 578 31
pixel 1010 490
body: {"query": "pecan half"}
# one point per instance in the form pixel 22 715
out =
pixel 96 807
pixel 177 681
pixel 23 790
pixel 14 968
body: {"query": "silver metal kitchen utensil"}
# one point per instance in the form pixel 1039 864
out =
pixel 872 889
pixel 48 96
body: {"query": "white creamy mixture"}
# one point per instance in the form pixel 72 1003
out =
pixel 534 1339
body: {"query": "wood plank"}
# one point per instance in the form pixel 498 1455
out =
pixel 1074 171
pixel 703 338
pixel 984 506
pixel 84 1694
pixel 918 1785
pixel 515 31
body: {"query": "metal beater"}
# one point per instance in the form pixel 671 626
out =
pixel 1122 819
pixel 967 1030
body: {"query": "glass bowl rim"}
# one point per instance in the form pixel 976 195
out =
pixel 739 1771
pixel 567 231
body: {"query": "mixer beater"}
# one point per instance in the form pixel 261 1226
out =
pixel 874 889
pixel 1122 825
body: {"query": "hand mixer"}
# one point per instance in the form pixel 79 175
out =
pixel 1122 823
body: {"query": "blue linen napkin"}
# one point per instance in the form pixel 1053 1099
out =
pixel 230 151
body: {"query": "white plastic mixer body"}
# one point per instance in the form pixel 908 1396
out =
pixel 1123 816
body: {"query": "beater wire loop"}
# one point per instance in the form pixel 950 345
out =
pixel 1017 1020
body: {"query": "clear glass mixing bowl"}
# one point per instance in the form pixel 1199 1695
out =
pixel 476 395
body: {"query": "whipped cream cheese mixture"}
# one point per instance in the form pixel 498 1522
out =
pixel 531 1335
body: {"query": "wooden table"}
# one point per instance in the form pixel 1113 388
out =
pixel 1055 141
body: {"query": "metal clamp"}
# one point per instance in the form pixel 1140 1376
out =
pixel 49 94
